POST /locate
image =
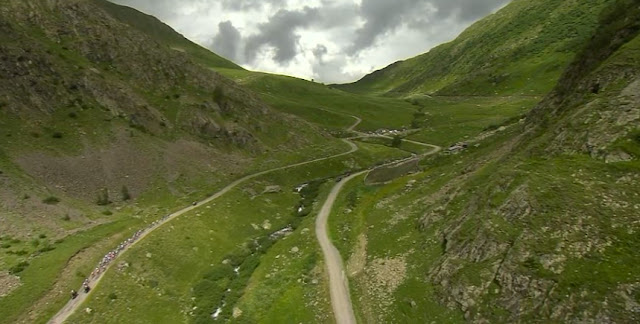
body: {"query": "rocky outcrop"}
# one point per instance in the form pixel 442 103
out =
pixel 85 59
pixel 548 243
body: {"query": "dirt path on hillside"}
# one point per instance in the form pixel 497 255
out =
pixel 339 296
pixel 353 127
pixel 74 304
pixel 362 135
pixel 338 281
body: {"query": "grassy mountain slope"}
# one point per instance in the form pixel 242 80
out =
pixel 288 94
pixel 103 128
pixel 325 105
pixel 331 108
pixel 437 120
pixel 81 90
pixel 522 49
pixel 180 274
pixel 537 223
pixel 164 34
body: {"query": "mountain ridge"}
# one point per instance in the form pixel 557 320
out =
pixel 539 35
pixel 164 34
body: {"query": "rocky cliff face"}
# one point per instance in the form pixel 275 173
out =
pixel 596 102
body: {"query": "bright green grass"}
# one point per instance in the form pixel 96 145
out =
pixel 183 250
pixel 288 286
pixel 161 202
pixel 307 99
pixel 404 146
pixel 355 214
pixel 388 215
pixel 568 191
pixel 453 119
pixel 176 256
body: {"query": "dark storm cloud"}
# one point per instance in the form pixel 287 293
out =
pixel 319 52
pixel 227 41
pixel 381 17
pixel 280 33
pixel 337 15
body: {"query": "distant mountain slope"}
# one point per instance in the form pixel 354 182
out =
pixel 164 34
pixel 521 49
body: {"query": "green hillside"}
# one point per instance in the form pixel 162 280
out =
pixel 110 120
pixel 520 50
pixel 536 224
pixel 325 105
pixel 164 34
pixel 105 127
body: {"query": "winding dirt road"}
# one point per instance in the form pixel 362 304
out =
pixel 340 297
pixel 338 281
pixel 74 304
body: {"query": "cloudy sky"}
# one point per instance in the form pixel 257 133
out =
pixel 332 41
